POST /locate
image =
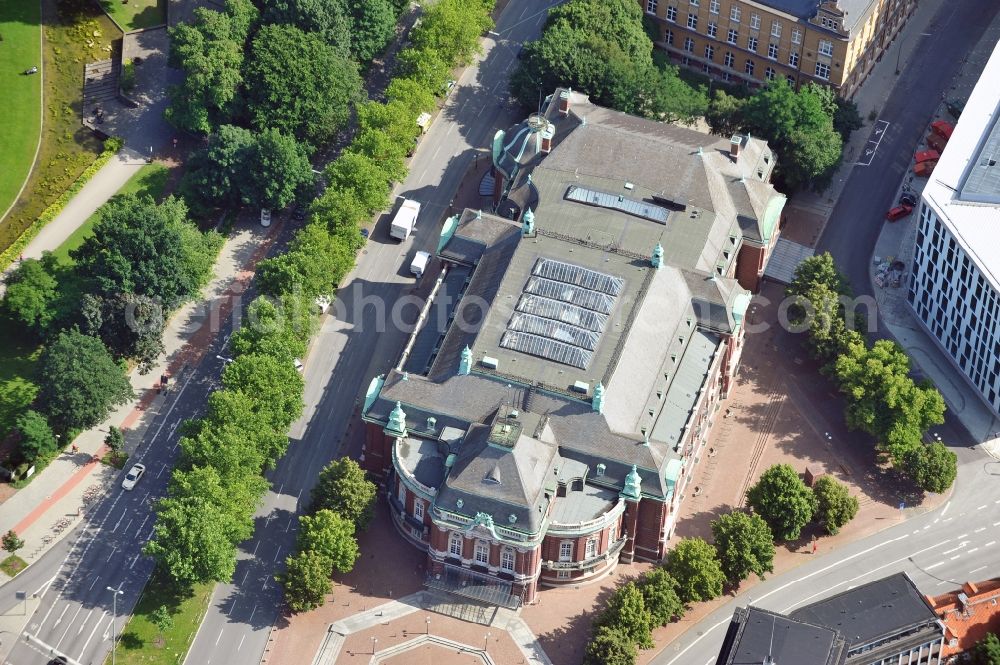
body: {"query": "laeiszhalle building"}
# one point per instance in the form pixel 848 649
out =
pixel 546 416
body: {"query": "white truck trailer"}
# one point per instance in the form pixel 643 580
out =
pixel 405 220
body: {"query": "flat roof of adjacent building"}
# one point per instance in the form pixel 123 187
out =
pixel 964 188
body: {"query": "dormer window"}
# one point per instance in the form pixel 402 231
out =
pixel 601 469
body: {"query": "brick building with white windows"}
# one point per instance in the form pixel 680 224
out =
pixel 832 42
pixel 547 413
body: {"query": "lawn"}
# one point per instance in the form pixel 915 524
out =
pixel 76 32
pixel 12 565
pixel 141 641
pixel 151 179
pixel 20 48
pixel 136 14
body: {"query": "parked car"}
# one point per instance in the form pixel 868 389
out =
pixel 936 142
pixel 942 128
pixel 299 213
pixel 133 476
pixel 898 213
pixel 365 233
pixel 419 264
pixel 265 217
pixel 924 169
pixel 298 365
pixel 927 156
pixel 908 199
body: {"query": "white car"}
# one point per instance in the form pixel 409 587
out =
pixel 298 365
pixel 133 476
pixel 265 217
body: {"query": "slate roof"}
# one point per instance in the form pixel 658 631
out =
pixel 501 482
pixel 755 634
pixel 872 611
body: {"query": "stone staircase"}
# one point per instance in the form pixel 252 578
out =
pixel 100 86
pixel 464 611
pixel 487 184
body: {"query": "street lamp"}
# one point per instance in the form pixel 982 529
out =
pixel 899 51
pixel 374 642
pixel 114 615
pixel 486 644
pixel 427 623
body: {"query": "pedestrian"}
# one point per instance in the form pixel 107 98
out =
pixel 814 545
pixel 175 143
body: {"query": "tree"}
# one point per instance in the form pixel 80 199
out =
pixel 79 382
pixel 12 542
pixel 882 399
pixel 147 249
pixel 609 646
pixel 411 94
pixel 303 86
pixel 744 545
pixel 364 176
pixel 694 565
pixel 932 467
pixel 835 505
pixel 986 651
pixel 344 488
pixel 332 536
pixel 194 541
pixel 210 53
pixel 306 580
pixel 277 329
pixel 234 409
pixel 818 269
pixel 115 440
pixel 373 24
pixel 451 28
pixel 783 501
pixel 659 593
pixel 37 439
pixel 130 325
pixel 31 293
pixel 316 261
pixel 675 100
pixel 274 385
pixel 214 174
pixel 330 19
pixel 725 113
pixel 162 618
pixel 626 612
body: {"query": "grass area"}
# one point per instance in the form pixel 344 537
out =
pixel 76 32
pixel 12 565
pixel 20 48
pixel 141 641
pixel 151 179
pixel 136 14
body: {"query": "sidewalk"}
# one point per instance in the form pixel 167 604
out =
pixel 72 480
pixel 898 241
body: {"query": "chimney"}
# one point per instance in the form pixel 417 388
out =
pixel 970 588
pixel 735 143
pixel 547 135
pixel 564 102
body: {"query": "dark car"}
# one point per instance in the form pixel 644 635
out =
pixel 908 199
pixel 299 213
pixel 364 233
pixel 899 212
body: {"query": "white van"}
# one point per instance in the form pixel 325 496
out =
pixel 419 264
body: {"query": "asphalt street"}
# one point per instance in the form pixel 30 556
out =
pixel 363 339
pixel 958 541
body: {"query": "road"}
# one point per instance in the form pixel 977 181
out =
pixel 74 618
pixel 360 342
pixel 959 541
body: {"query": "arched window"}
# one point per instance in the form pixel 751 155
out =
pixel 455 544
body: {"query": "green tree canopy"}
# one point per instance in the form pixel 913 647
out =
pixel 147 249
pixel 373 24
pixel 344 488
pixel 316 261
pixel 693 563
pixel 835 505
pixel 451 28
pixel 12 542
pixel 306 580
pixel 364 176
pixel 79 382
pixel 162 618
pixel 332 536
pixel 274 384
pixel 130 325
pixel 241 412
pixel 986 651
pixel 783 501
pixel 302 85
pixel 31 293
pixel 210 53
pixel 37 439
pixel 330 19
pixel 932 467
pixel 659 593
pixel 278 328
pixel 610 646
pixel 626 612
pixel 744 545
pixel 411 94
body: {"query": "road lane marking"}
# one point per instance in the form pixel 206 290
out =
pixel 982 528
pixel 992 542
pixel 114 548
pixel 252 612
pixel 166 416
pixel 240 645
pixel 946 507
pixel 978 569
pixel 83 624
pixel 69 625
pixel 255 549
pixel 934 565
pixel 134 559
pixel 218 638
pixel 974 549
pixel 962 536
pixel 981 507
pixel 61 615
pixel 277 553
pixel 955 557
